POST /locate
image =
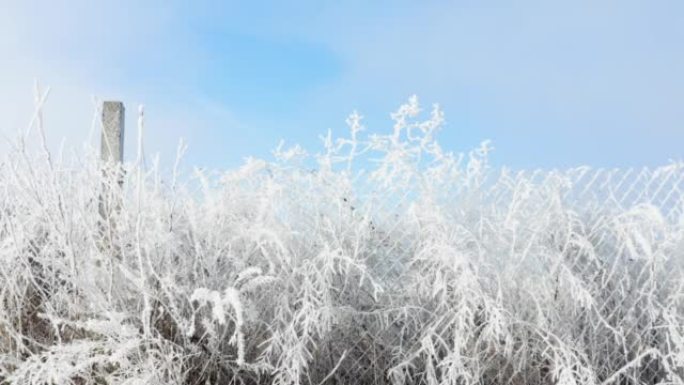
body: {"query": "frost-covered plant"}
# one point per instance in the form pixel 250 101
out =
pixel 382 259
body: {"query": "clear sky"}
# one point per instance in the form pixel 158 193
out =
pixel 551 83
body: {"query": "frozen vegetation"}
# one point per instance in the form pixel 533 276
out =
pixel 380 259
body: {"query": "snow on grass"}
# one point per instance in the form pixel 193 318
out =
pixel 390 261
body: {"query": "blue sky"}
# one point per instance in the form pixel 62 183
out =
pixel 551 83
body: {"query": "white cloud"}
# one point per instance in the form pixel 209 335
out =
pixel 541 79
pixel 117 50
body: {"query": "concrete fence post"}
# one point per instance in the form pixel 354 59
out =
pixel 111 156
pixel 113 115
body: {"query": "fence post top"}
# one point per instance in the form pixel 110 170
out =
pixel 113 105
pixel 113 122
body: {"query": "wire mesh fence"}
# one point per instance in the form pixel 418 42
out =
pixel 617 260
pixel 278 275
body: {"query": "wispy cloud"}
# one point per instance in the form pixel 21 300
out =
pixel 552 84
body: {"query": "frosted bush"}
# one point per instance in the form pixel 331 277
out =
pixel 391 260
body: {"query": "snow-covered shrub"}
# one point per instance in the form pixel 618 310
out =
pixel 381 259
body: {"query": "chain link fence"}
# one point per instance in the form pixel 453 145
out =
pixel 612 278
